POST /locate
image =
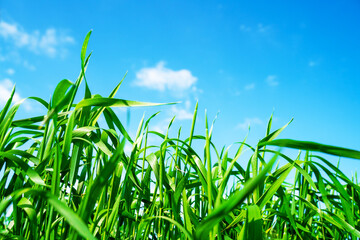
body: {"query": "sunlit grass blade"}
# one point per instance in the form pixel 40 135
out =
pixel 252 228
pixel 114 102
pixel 280 178
pixel 273 135
pixel 315 147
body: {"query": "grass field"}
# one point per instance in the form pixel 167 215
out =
pixel 65 177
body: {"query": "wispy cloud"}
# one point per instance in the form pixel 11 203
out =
pixel 313 63
pixel 249 86
pixel 271 80
pixel 50 43
pixel 160 126
pixel 2 58
pixel 249 122
pixel 245 28
pixel 161 78
pixel 259 28
pixel 29 66
pixel 10 71
pixel 181 113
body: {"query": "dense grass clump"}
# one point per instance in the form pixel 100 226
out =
pixel 65 177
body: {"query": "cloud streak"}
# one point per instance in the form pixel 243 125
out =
pixel 259 28
pixel 249 122
pixel 271 80
pixel 181 114
pixel 249 86
pixel 10 71
pixel 313 63
pixel 161 78
pixel 50 43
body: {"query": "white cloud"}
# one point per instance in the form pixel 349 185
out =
pixel 272 80
pixel 160 126
pixel 181 114
pixel 10 71
pixel 249 86
pixel 7 29
pixel 249 122
pixel 51 43
pixel 161 78
pixel 6 86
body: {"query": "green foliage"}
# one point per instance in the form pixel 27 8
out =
pixel 65 177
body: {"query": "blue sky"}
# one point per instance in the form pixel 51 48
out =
pixel 244 60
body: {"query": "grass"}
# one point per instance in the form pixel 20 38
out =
pixel 65 177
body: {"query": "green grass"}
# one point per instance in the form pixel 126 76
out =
pixel 65 177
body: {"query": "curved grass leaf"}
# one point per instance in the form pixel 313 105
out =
pixel 114 102
pixel 31 173
pixel 60 92
pixel 315 147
